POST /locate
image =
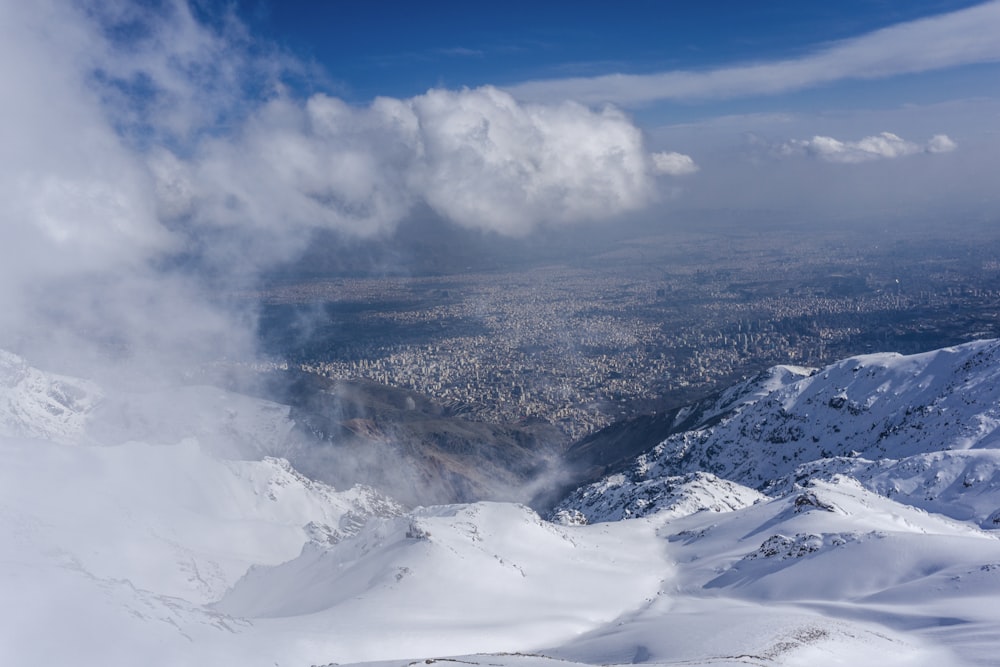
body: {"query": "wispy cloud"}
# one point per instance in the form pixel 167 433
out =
pixel 940 164
pixel 882 146
pixel 674 164
pixel 460 52
pixel 963 37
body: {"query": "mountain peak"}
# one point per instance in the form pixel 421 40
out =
pixel 36 404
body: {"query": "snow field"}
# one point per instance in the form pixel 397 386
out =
pixel 134 534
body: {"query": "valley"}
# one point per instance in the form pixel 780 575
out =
pixel 637 325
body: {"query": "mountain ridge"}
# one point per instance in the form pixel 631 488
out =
pixel 160 528
pixel 866 413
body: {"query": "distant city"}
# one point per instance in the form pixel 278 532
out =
pixel 645 325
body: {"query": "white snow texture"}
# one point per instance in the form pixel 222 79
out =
pixel 845 515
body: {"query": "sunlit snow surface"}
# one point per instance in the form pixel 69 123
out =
pixel 137 530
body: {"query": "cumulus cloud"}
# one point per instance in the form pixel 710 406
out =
pixel 674 164
pixel 138 136
pixel 941 143
pixel 493 163
pixel 74 200
pixel 885 145
pixel 963 37
pixel 477 157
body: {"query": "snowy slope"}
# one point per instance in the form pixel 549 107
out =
pixel 138 538
pixel 706 412
pixel 132 539
pixel 47 406
pixel 908 439
pixel 880 407
pixel 168 530
pixel 851 555
pixel 962 484
pixel 633 494
pixel 35 404
pixel 117 545
pixel 831 575
pixel 137 530
pixel 454 579
pixel 171 519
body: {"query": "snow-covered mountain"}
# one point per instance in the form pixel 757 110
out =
pixel 843 515
pixel 43 405
pixel 920 427
pixel 636 494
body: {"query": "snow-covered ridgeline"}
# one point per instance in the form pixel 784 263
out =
pixel 160 547
pixel 831 574
pixel 35 404
pixel 879 417
pixel 629 495
pixel 58 408
pixel 131 532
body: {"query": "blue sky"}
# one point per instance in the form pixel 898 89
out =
pixel 400 50
pixel 762 97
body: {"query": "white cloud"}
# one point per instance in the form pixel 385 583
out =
pixel 490 162
pixel 674 164
pixel 133 150
pixel 85 258
pixel 941 143
pixel 885 145
pixel 477 157
pixel 744 180
pixel 962 37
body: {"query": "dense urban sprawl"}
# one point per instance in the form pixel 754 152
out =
pixel 642 327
